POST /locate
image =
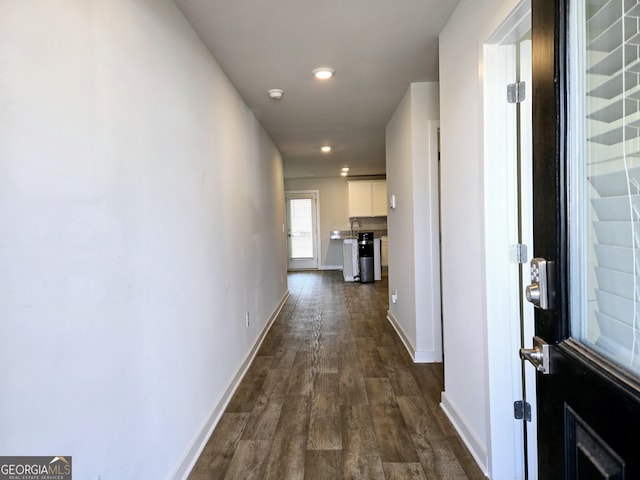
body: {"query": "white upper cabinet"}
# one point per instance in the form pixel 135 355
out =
pixel 368 198
pixel 360 199
pixel 379 198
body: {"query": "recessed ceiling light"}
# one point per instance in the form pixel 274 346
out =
pixel 344 174
pixel 324 73
pixel 325 148
pixel 345 169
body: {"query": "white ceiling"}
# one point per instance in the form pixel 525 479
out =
pixel 377 47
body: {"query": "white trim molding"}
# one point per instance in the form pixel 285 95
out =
pixel 418 356
pixel 478 452
pixel 202 437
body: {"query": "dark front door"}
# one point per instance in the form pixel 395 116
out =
pixel 586 150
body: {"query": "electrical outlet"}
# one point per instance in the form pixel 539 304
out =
pixel 246 318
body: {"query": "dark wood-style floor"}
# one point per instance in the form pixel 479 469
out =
pixel 333 394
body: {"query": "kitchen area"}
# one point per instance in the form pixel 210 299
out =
pixel 365 244
pixel 346 208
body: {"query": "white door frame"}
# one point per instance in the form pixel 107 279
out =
pixel 504 337
pixel 317 244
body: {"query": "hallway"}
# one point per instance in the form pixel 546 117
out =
pixel 333 394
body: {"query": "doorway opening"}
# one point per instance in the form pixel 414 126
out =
pixel 508 244
pixel 303 219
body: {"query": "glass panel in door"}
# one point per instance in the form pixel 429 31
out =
pixel 604 159
pixel 302 228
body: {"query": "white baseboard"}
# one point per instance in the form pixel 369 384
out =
pixel 418 356
pixel 478 451
pixel 426 356
pixel 330 267
pixel 200 441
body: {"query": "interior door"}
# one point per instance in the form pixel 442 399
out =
pixel 586 218
pixel 302 222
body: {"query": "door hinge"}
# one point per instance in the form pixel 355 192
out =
pixel 516 92
pixel 522 410
pixel 518 253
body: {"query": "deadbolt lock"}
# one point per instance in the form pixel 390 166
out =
pixel 541 292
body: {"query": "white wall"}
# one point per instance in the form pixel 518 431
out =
pixel 465 399
pixel 141 207
pixel 334 214
pixel 411 225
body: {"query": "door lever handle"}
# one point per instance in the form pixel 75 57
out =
pixel 533 355
pixel 539 356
